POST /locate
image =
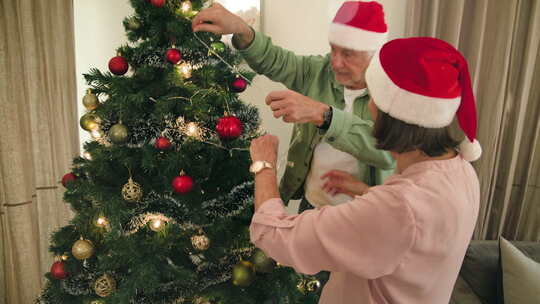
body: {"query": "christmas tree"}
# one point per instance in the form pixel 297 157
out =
pixel 162 196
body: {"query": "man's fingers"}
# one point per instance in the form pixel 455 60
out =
pixel 328 175
pixel 276 95
pixel 280 113
pixel 201 17
pixel 208 16
pixel 280 104
pixel 331 174
pixel 207 27
pixel 289 119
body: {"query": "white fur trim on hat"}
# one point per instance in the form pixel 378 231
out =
pixel 355 38
pixel 424 111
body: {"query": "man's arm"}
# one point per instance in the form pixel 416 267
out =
pixel 352 134
pixel 262 56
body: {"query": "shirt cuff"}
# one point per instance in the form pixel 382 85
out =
pixel 339 120
pixel 270 215
pixel 255 49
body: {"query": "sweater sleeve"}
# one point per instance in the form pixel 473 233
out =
pixel 281 65
pixel 369 236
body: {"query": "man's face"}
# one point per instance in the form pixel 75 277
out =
pixel 350 66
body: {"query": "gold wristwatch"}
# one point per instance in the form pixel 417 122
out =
pixel 258 166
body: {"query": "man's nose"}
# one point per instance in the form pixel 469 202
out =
pixel 337 61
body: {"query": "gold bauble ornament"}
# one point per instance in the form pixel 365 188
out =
pixel 105 285
pixel 90 101
pixel 132 192
pixel 200 242
pixel 82 249
pixel 89 122
pixel 96 302
pixel 243 274
pixel 262 262
pixel 118 133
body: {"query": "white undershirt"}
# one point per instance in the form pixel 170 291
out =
pixel 326 158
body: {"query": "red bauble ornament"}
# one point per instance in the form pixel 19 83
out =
pixel 58 270
pixel 229 127
pixel 239 85
pixel 68 178
pixel 118 65
pixel 173 56
pixel 158 3
pixel 163 143
pixel 182 184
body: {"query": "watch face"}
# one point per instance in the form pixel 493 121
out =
pixel 257 166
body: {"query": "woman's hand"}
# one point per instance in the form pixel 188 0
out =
pixel 265 148
pixel 343 182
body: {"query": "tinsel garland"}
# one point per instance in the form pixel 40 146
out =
pixel 175 211
pixel 210 274
pixel 80 283
pixel 142 219
pixel 231 204
pixel 249 115
pixel 150 56
pixel 141 131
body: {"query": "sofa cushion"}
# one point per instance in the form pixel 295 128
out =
pixel 463 294
pixel 521 275
pixel 480 269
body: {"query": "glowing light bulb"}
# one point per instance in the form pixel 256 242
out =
pixel 87 155
pixel 101 222
pixel 157 225
pixel 97 134
pixel 192 129
pixel 184 69
pixel 186 7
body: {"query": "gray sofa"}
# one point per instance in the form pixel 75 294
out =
pixel 479 280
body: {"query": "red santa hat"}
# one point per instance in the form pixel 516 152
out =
pixel 359 26
pixel 425 81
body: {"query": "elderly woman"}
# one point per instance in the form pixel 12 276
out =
pixel 403 241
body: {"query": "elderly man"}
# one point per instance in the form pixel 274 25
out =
pixel 327 100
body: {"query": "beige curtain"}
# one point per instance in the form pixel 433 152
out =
pixel 501 41
pixel 38 138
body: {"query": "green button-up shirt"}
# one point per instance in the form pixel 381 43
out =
pixel 349 132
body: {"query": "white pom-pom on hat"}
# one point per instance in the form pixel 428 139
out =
pixel 470 151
